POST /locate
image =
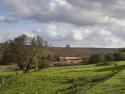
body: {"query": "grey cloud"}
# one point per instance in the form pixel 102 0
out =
pixel 77 12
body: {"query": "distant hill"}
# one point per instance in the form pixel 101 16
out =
pixel 75 51
pixel 61 51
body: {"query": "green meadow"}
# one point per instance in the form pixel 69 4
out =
pixel 81 79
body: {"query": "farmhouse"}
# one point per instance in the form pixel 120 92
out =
pixel 70 59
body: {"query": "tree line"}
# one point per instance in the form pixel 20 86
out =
pixel 102 58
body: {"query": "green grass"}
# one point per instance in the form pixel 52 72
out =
pixel 82 79
pixel 8 68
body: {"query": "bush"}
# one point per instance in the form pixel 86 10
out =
pixel 85 60
pixel 96 58
pixel 108 56
pixel 119 56
pixel 102 64
pixel 44 63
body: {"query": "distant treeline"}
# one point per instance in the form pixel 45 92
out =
pixel 102 58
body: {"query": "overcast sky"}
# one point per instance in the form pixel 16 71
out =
pixel 80 23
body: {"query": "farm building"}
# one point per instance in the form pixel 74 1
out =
pixel 70 59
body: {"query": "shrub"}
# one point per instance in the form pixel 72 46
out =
pixel 96 58
pixel 85 60
pixel 44 63
pixel 102 64
pixel 108 56
pixel 119 56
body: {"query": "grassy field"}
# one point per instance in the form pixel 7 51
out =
pixel 82 79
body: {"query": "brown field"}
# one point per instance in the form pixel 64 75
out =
pixel 82 52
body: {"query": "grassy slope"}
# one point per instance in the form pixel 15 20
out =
pixel 84 79
pixel 7 70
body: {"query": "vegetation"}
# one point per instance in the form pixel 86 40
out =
pixel 26 52
pixel 95 58
pixel 102 58
pixel 108 57
pixel 83 79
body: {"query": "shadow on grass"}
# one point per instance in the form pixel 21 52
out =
pixel 83 84
pixel 115 67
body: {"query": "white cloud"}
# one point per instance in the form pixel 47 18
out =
pixel 30 34
pixel 96 36
pixel 51 29
pixel 2 18
pixel 77 35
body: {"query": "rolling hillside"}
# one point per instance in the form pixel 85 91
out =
pixel 73 51
pixel 61 51
pixel 84 79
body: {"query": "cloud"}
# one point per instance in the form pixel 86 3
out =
pixel 61 35
pixel 5 36
pixel 96 36
pixel 77 35
pixel 77 12
pixel 4 19
pixel 82 22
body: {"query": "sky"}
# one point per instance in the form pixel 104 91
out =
pixel 79 23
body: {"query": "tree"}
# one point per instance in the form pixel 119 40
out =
pixel 25 51
pixel 67 46
pixel 119 56
pixel 2 47
pixel 122 50
pixel 9 53
pixel 38 57
pixel 108 56
pixel 95 58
